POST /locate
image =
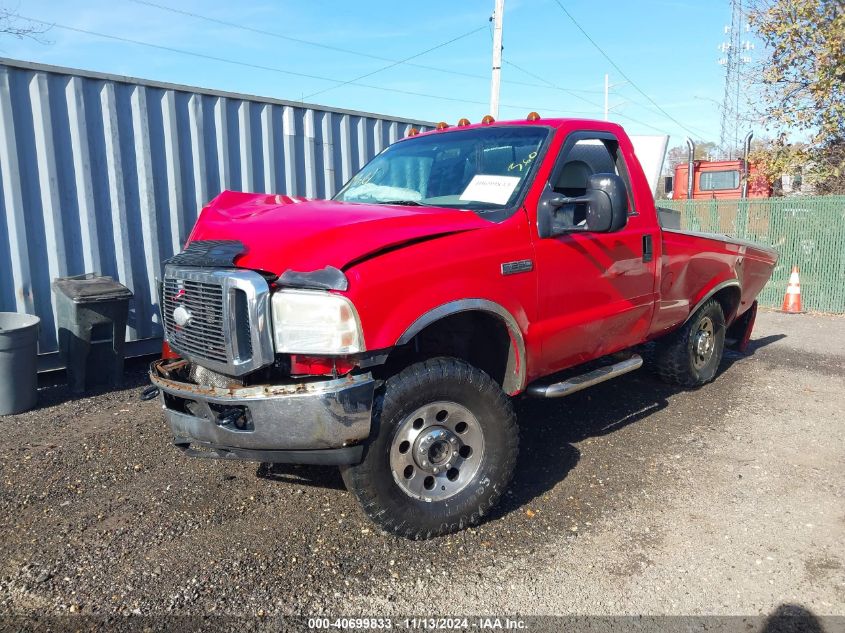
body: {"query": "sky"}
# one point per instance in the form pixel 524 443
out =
pixel 321 52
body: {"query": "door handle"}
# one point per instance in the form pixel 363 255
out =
pixel 648 248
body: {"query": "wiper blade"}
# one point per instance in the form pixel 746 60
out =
pixel 474 206
pixel 407 203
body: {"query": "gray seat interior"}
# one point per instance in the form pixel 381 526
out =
pixel 584 160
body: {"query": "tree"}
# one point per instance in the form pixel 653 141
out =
pixel 704 150
pixel 803 80
pixel 12 24
pixel 775 158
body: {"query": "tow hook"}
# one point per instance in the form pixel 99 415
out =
pixel 150 393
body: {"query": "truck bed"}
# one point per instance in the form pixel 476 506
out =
pixel 694 265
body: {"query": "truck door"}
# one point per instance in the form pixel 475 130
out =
pixel 596 290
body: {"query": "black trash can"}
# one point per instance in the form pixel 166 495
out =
pixel 92 312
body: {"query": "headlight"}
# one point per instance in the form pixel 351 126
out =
pixel 314 322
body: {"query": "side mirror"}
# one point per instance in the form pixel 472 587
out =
pixel 607 208
pixel 605 205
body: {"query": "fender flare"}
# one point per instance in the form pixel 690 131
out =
pixel 710 293
pixel 515 371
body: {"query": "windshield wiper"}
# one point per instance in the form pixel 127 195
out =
pixel 407 203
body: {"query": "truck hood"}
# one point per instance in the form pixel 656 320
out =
pixel 282 233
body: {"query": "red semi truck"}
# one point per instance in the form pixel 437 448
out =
pixel 720 179
pixel 387 330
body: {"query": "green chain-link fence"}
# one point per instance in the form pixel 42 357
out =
pixel 808 232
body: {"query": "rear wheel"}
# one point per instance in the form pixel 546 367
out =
pixel 690 356
pixel 444 450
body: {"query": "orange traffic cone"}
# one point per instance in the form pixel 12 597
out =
pixel 792 298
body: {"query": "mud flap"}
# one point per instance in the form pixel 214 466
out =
pixel 739 333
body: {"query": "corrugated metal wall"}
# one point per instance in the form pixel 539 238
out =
pixel 106 174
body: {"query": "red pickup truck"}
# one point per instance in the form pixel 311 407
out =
pixel 387 331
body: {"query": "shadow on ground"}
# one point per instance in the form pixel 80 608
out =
pixel 792 618
pixel 755 344
pixel 549 430
pixel 318 476
pixel 53 389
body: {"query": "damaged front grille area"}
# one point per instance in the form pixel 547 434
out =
pixel 193 317
pixel 209 253
pixel 218 319
pixel 208 378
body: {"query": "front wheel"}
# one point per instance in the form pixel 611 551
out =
pixel 444 448
pixel 690 356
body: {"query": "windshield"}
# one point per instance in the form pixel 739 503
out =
pixel 480 169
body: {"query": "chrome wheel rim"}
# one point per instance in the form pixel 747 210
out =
pixel 437 451
pixel 704 342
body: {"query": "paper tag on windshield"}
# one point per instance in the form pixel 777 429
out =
pixel 487 188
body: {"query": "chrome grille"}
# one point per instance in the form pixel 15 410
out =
pixel 218 318
pixel 204 336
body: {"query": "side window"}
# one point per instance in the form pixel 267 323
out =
pixel 579 161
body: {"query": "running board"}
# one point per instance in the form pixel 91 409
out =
pixel 582 381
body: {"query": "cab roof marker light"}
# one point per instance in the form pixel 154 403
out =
pixel 463 122
pixel 487 120
pixel 532 116
pixel 413 131
pixel 442 125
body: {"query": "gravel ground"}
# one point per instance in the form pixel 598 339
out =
pixel 632 497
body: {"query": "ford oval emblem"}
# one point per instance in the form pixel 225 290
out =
pixel 182 316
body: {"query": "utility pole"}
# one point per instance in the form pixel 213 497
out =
pixel 606 96
pixel 496 79
pixel 607 87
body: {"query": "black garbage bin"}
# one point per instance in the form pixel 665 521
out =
pixel 91 312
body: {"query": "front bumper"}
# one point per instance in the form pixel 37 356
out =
pixel 315 422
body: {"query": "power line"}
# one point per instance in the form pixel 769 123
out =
pixel 283 71
pixel 546 82
pixel 572 91
pixel 545 85
pixel 398 62
pixel 178 50
pixel 587 101
pixel 322 45
pixel 274 69
pixel 620 71
pixel 549 84
pixel 296 40
pixel 699 132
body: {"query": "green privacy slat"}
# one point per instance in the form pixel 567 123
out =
pixel 807 231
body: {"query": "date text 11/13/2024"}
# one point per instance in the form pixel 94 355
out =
pixel 418 623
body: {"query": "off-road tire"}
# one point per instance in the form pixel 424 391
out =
pixel 675 356
pixel 437 380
